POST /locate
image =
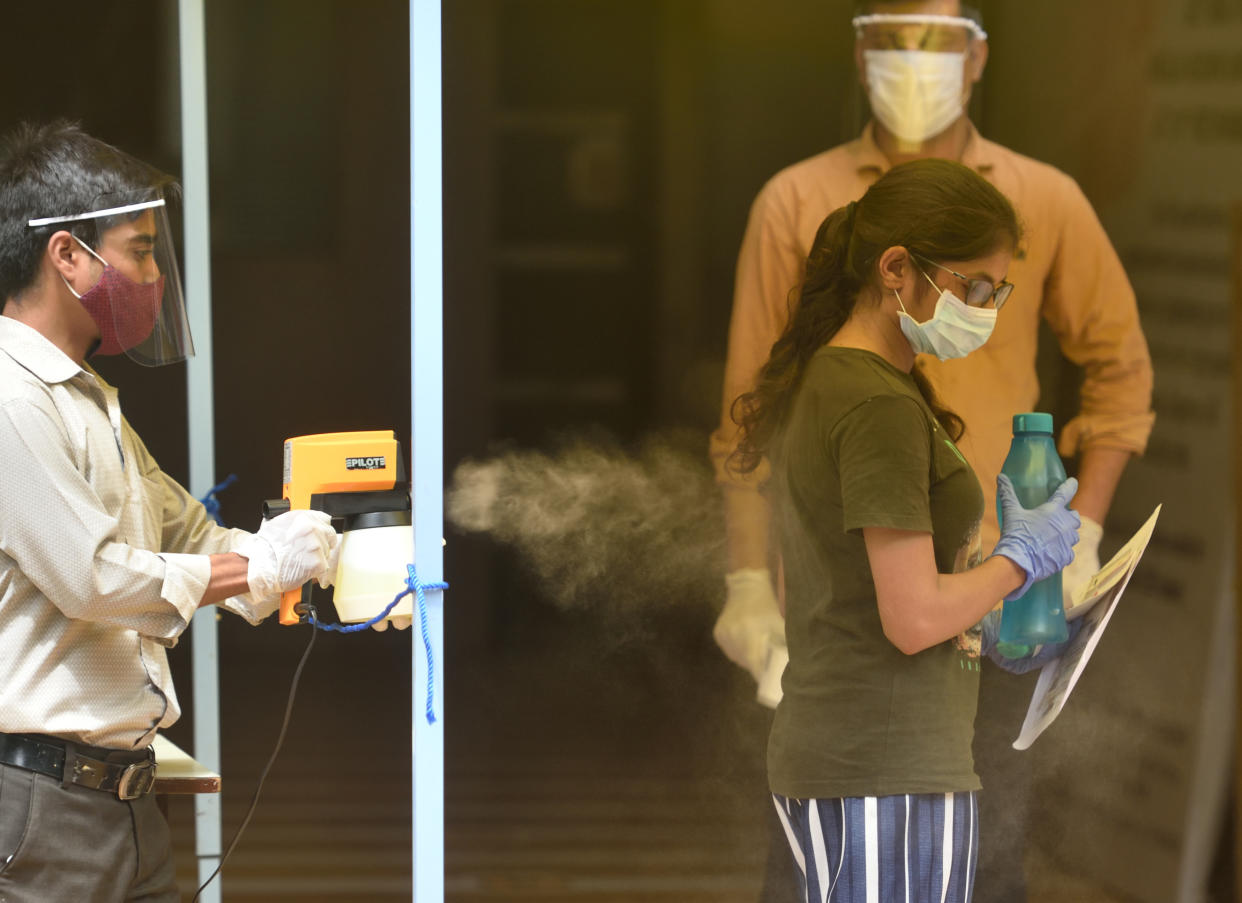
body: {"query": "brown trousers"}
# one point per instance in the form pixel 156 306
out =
pixel 69 844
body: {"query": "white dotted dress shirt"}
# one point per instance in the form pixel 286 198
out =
pixel 103 557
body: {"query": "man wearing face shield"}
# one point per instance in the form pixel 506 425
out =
pixel 134 294
pixel 104 559
pixel 918 62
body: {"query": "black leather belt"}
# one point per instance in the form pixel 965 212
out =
pixel 128 774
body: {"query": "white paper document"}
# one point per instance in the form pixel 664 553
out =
pixel 1094 603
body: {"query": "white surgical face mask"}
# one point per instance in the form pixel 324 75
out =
pixel 954 330
pixel 916 94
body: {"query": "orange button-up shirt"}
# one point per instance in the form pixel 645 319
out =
pixel 1065 271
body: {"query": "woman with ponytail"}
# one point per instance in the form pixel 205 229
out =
pixel 878 514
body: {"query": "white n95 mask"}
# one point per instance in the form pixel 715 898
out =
pixel 916 94
pixel 954 330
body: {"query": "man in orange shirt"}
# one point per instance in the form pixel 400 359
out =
pixel 918 62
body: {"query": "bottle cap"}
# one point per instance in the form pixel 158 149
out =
pixel 1033 422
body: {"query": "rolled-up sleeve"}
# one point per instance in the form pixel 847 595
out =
pixel 1090 306
pixel 188 529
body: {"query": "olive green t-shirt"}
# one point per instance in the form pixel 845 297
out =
pixel 861 448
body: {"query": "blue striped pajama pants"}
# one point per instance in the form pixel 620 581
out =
pixel 917 848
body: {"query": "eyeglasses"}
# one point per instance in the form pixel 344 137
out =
pixel 979 292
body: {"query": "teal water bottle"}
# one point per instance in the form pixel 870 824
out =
pixel 1038 615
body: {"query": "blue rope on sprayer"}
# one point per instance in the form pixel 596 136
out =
pixel 412 585
pixel 422 623
pixel 211 503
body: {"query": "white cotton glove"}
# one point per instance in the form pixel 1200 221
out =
pixel 289 550
pixel 750 627
pixel 1086 563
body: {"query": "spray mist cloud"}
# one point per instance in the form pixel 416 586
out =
pixel 600 525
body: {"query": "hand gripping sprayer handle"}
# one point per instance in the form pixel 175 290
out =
pixel 290 601
pixel 290 605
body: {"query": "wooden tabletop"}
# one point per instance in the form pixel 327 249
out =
pixel 176 772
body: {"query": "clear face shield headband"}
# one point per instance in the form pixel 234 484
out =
pixel 917 31
pixel 137 301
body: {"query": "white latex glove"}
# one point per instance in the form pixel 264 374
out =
pixel 288 550
pixel 401 622
pixel 1085 565
pixel 770 690
pixel 328 577
pixel 750 626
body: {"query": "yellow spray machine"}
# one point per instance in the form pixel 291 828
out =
pixel 359 479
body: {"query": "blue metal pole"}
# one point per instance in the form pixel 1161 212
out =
pixel 427 453
pixel 200 405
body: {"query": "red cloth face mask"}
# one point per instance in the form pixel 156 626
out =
pixel 125 311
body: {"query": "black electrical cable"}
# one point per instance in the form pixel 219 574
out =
pixel 293 690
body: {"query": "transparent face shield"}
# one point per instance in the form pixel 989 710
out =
pixel 915 67
pixel 136 299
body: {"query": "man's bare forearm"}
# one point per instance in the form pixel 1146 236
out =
pixel 748 517
pixel 1099 472
pixel 228 578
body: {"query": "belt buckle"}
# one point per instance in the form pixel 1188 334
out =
pixel 137 780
